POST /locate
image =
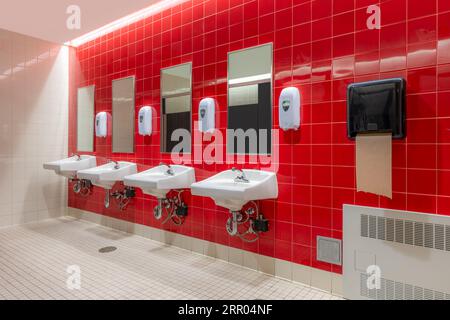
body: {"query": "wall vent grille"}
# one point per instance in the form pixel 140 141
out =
pixel 413 233
pixel 394 290
pixel 329 250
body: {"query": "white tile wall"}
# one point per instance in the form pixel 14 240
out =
pixel 34 82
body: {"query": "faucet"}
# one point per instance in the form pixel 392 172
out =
pixel 76 155
pixel 169 168
pixel 116 164
pixel 241 177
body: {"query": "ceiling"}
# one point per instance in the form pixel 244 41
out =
pixel 46 19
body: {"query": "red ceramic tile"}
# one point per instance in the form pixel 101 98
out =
pixel 302 235
pixel 343 6
pixel 321 9
pixel 393 36
pixel 367 63
pixel 443 38
pixel 422 131
pixel 321 49
pixel 343 45
pixel 321 29
pixel 443 134
pixel 421 203
pixel 422 106
pixel 343 23
pixel 422 80
pixel 266 6
pixel 422 30
pixel 443 103
pixel 415 158
pixel 302 254
pixel 444 77
pixel 443 5
pixel 421 181
pixel 302 13
pixel 283 19
pixel 367 40
pixel 393 11
pixel 443 187
pixel 443 205
pixel 418 8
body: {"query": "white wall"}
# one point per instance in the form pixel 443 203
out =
pixel 34 98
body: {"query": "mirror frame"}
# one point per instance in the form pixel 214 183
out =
pixel 249 83
pixel 134 113
pixel 162 133
pixel 93 119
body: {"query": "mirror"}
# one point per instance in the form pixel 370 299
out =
pixel 85 119
pixel 250 100
pixel 123 115
pixel 176 104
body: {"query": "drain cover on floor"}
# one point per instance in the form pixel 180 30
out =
pixel 107 249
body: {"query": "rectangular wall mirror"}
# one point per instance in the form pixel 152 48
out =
pixel 123 115
pixel 176 104
pixel 85 119
pixel 250 100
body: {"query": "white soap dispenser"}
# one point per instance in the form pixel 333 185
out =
pixel 289 108
pixel 101 125
pixel 145 121
pixel 206 115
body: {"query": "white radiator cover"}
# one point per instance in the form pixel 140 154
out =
pixel 411 249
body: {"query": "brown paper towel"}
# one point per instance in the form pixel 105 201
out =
pixel 374 164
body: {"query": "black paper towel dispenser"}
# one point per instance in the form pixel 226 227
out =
pixel 377 107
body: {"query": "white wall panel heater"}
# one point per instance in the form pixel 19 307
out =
pixel 412 251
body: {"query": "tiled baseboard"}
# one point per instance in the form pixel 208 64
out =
pixel 326 281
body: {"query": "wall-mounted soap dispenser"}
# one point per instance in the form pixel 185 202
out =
pixel 101 125
pixel 377 107
pixel 145 121
pixel 289 109
pixel 206 115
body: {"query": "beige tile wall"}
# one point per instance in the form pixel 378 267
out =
pixel 34 82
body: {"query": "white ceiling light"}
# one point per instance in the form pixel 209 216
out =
pixel 139 15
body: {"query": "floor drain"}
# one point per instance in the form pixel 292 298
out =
pixel 107 249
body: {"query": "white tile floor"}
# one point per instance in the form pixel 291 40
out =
pixel 34 259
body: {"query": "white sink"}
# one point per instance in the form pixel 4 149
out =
pixel 233 194
pixel 70 166
pixel 158 181
pixel 107 175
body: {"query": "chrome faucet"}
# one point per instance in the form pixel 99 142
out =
pixel 169 168
pixel 241 177
pixel 116 164
pixel 76 155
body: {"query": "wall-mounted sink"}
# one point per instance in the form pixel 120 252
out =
pixel 159 180
pixel 232 189
pixel 107 175
pixel 70 166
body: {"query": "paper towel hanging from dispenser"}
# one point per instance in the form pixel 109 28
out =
pixel 207 115
pixel 375 116
pixel 289 109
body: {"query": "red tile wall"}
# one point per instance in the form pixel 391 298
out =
pixel 320 47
